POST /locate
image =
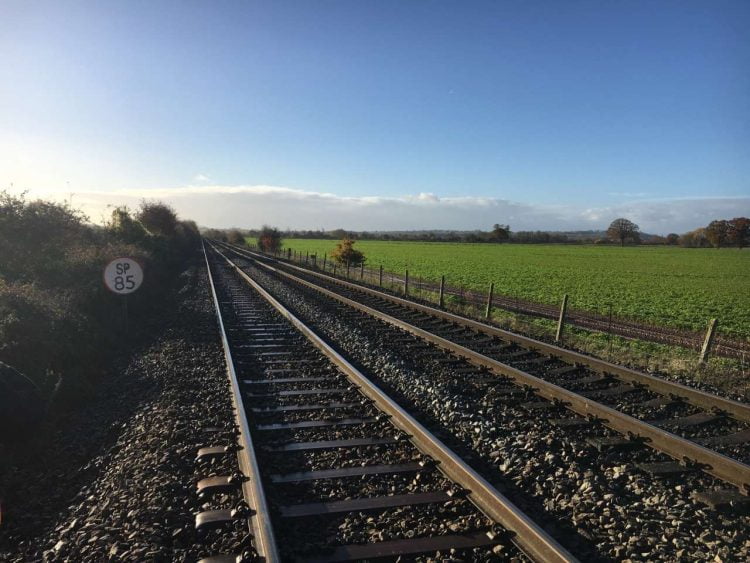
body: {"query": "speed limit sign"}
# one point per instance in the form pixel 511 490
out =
pixel 123 275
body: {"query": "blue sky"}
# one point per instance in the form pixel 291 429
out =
pixel 588 108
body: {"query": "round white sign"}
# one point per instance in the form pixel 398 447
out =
pixel 123 275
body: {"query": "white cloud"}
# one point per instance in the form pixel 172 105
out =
pixel 202 179
pixel 251 206
pixel 428 197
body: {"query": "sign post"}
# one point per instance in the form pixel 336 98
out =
pixel 123 276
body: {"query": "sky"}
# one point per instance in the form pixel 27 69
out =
pixel 382 115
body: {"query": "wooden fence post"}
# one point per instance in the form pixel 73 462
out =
pixel 347 269
pixel 488 310
pixel 362 271
pixel 307 256
pixel 609 334
pixel 288 253
pixel 380 279
pixel 709 340
pixel 561 320
pixel 334 268
pixel 406 283
pixel 325 257
pixel 441 300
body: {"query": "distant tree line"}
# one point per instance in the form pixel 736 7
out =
pixel 498 234
pixel 719 233
pixel 622 231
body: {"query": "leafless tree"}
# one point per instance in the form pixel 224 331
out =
pixel 623 229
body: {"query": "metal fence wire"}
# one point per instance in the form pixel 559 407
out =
pixel 457 295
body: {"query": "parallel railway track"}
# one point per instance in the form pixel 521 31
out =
pixel 320 447
pixel 699 431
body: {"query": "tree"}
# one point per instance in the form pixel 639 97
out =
pixel 673 238
pixel 235 237
pixel 622 230
pixel 125 227
pixel 158 218
pixel 739 231
pixel 215 234
pixel 36 236
pixel 344 253
pixel 717 232
pixel 188 235
pixel 694 239
pixel 500 233
pixel 269 239
pixel 655 239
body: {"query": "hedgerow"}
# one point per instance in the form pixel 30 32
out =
pixel 59 325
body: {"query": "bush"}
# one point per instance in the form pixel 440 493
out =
pixel 158 218
pixel 269 239
pixel 215 234
pixel 56 316
pixel 235 237
pixel 344 253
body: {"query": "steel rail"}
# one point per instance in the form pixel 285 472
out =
pixel 529 537
pixel 259 522
pixel 707 401
pixel 710 461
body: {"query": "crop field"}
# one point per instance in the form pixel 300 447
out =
pixel 671 286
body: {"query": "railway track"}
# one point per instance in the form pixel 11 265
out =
pixel 330 463
pixel 699 431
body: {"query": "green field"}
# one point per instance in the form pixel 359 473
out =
pixel 682 287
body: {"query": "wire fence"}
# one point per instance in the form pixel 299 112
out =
pixel 460 299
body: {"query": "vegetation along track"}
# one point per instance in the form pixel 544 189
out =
pixel 333 465
pixel 699 430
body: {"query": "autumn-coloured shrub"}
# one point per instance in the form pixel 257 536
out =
pixel 269 239
pixel 346 254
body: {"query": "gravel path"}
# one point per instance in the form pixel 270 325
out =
pixel 116 481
